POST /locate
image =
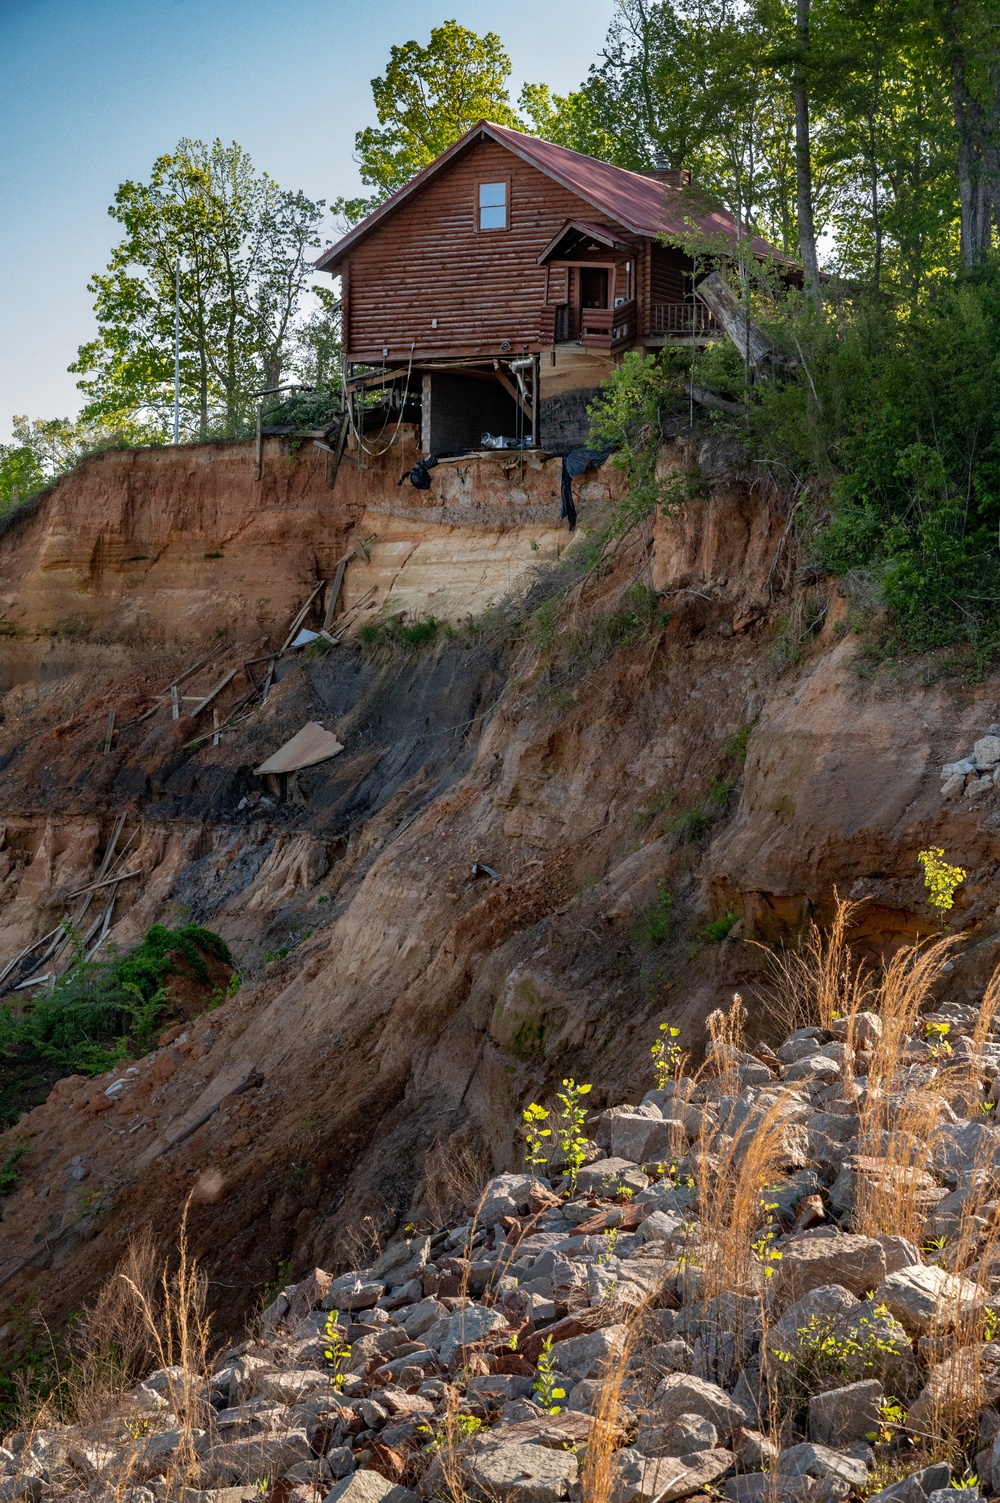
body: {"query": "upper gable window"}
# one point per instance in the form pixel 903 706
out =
pixel 492 212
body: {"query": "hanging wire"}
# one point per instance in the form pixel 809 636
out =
pixel 348 403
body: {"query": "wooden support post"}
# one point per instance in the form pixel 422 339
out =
pixel 333 465
pixel 106 882
pixel 175 708
pixel 509 386
pixel 259 466
pixel 110 732
pixel 300 617
pixel 215 727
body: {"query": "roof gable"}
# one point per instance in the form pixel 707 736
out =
pixel 643 205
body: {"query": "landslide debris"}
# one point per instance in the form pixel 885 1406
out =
pixel 756 1280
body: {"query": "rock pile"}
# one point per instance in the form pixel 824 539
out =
pixel 561 1334
pixel 973 776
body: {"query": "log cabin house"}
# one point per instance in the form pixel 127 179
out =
pixel 498 287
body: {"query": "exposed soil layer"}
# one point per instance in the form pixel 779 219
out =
pixel 398 1008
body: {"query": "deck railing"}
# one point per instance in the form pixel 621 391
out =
pixel 691 319
pixel 603 328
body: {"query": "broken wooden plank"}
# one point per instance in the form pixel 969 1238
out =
pixel 361 382
pixel 27 951
pixel 106 882
pixel 331 604
pixel 213 692
pixel 175 709
pixel 32 981
pixel 229 725
pixel 110 732
pixel 301 616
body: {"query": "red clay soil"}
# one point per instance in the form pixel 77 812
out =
pixel 419 1005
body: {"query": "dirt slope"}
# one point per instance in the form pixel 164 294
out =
pixel 418 1006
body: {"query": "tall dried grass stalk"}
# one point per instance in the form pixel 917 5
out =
pixel 897 1118
pixel 727 1036
pixel 598 1470
pixel 820 980
pixel 735 1173
pixel 455 1171
pixel 178 1327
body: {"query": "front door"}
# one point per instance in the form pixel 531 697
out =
pixel 593 287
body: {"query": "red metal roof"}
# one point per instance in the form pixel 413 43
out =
pixel 642 204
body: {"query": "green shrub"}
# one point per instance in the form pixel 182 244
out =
pixel 102 1011
pixel 301 409
pixel 719 928
pixel 8 1169
pixel 798 623
pixel 739 741
pixel 896 413
pixel 655 924
pixel 640 610
pixel 689 825
pixel 396 635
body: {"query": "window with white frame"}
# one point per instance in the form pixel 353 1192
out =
pixel 492 212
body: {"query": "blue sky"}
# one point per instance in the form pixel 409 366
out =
pixel 91 91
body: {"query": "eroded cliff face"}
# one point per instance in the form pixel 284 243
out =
pixel 592 766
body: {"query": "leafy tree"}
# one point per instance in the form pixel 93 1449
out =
pixel 315 358
pixel 427 97
pixel 47 447
pixel 21 475
pixel 243 248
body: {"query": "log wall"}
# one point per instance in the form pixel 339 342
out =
pixel 428 260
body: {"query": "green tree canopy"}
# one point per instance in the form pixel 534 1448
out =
pixel 903 100
pixel 243 247
pixel 425 100
pixel 45 448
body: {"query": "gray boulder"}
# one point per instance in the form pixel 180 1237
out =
pixel 827 1256
pixel 917 1487
pixel 505 1195
pixel 639 1479
pixel 810 1460
pixel 844 1414
pixel 606 1175
pixel 580 1357
pixel 683 1393
pixel 922 1295
pixel 518 1474
pixel 773 1487
pixel 644 1140
pixel 369 1487
pixel 683 1434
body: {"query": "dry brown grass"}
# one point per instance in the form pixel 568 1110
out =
pixel 897 1118
pixel 733 1203
pixel 727 1037
pixel 819 980
pixel 598 1469
pixel 455 1170
pixel 111 1346
pixel 178 1328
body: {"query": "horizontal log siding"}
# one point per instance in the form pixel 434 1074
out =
pixel 671 282
pixel 429 261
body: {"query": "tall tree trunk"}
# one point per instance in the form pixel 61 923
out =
pixel 977 118
pixel 803 155
pixel 876 210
